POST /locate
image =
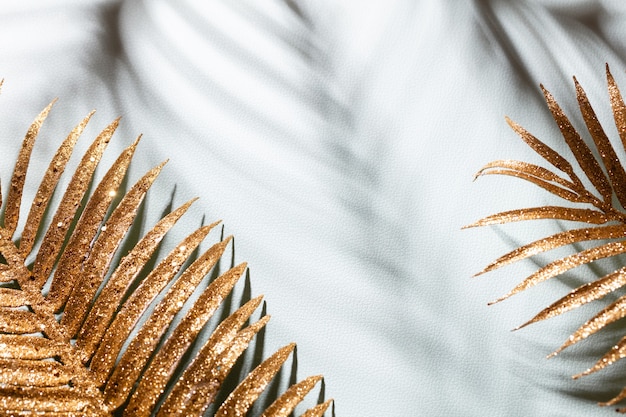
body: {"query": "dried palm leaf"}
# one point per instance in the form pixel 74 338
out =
pixel 67 344
pixel 602 205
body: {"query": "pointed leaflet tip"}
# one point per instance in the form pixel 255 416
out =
pixel 136 142
pixel 617 105
pixel 504 297
pixel 569 342
pixel 521 326
pixel 14 198
pixel 490 303
pixel 552 355
pixel 510 122
pixel 580 92
pixel 477 274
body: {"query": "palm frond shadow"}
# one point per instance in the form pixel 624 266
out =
pixel 101 323
pixel 596 200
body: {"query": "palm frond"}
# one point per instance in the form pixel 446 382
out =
pixel 84 334
pixel 602 206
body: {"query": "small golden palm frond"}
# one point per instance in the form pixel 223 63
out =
pixel 601 204
pixel 82 333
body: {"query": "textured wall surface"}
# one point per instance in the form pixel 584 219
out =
pixel 337 141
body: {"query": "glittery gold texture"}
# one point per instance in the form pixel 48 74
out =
pixel 601 203
pixel 72 341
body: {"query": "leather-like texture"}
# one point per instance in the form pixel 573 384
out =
pixel 338 141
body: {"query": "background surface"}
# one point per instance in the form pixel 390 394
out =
pixel 337 140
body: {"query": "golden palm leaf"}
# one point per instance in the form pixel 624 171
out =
pixel 67 344
pixel 602 204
